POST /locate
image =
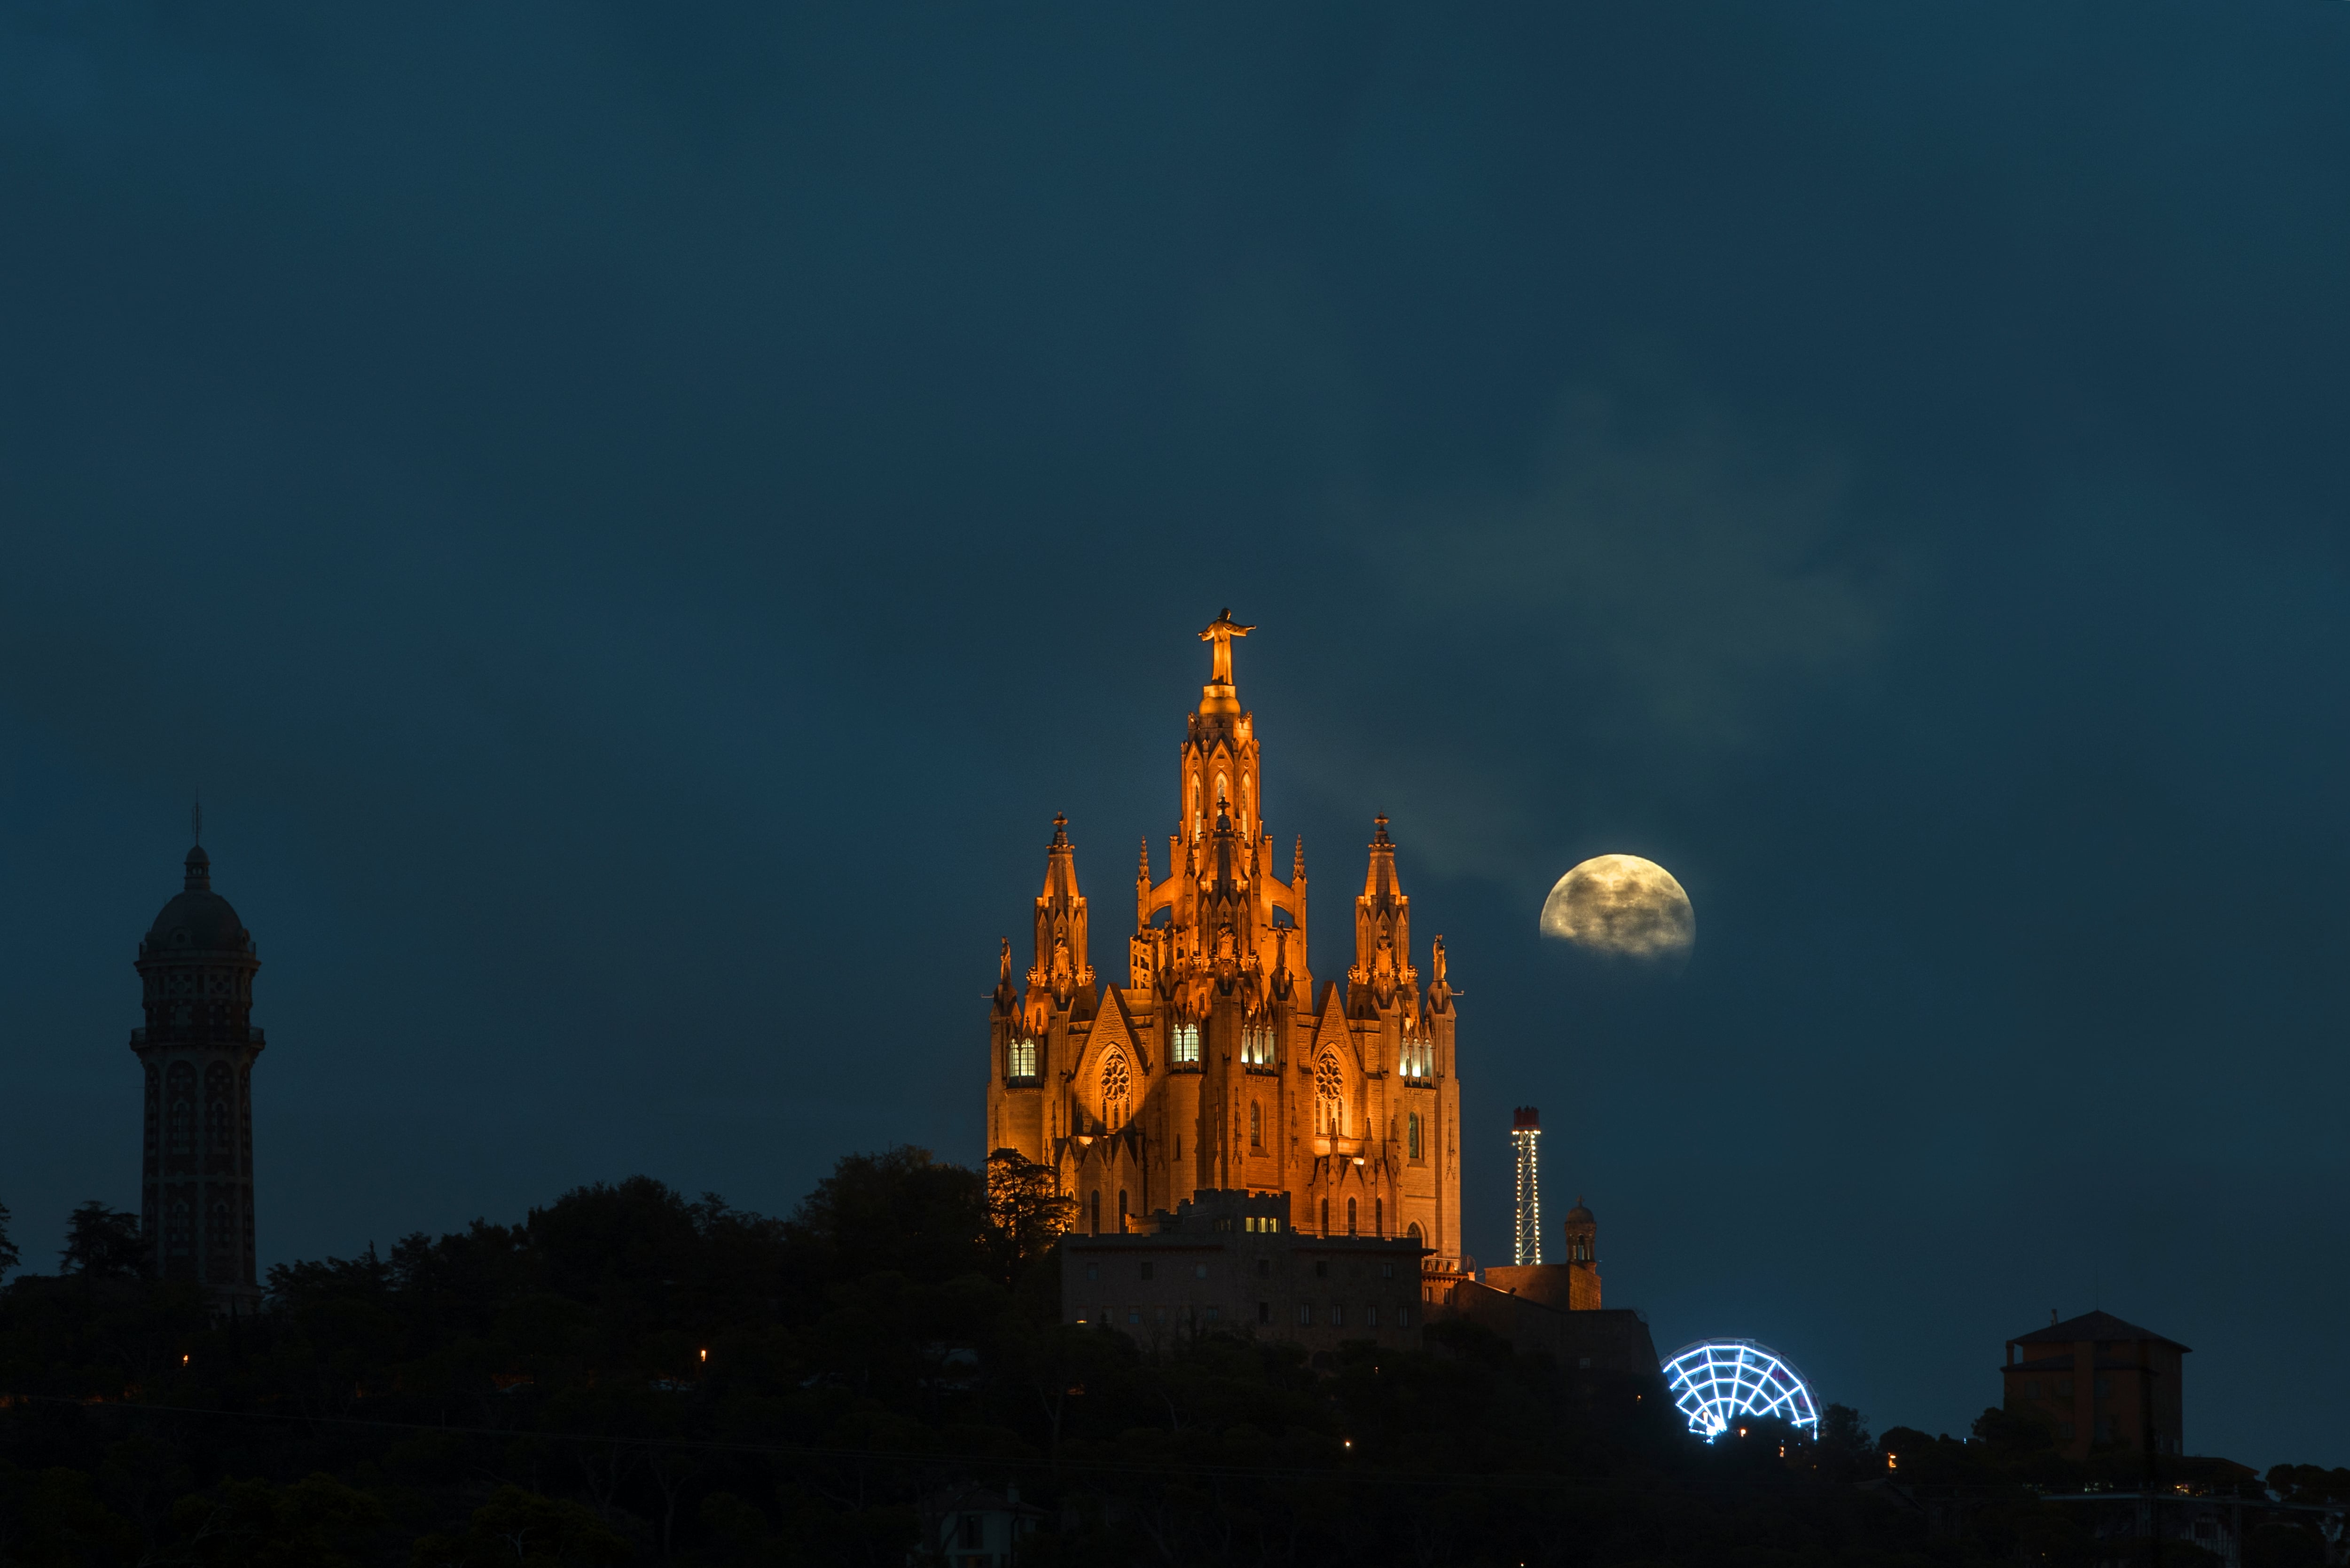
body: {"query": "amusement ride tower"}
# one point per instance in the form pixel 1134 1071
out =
pixel 1525 1144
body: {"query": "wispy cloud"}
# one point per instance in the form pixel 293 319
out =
pixel 1706 572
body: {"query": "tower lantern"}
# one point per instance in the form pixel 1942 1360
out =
pixel 195 970
pixel 1525 1144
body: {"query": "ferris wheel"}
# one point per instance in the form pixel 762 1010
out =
pixel 1715 1381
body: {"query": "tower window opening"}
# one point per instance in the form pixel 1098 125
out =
pixel 1256 1124
pixel 1325 1217
pixel 1350 1217
pixel 1021 1059
pixel 1256 1046
pixel 1379 1217
pixel 1187 1043
pixel 1411 1135
pixel 1419 1058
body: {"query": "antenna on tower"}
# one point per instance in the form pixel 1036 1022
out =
pixel 1525 1142
pixel 196 819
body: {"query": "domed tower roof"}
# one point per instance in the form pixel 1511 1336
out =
pixel 1579 1215
pixel 197 920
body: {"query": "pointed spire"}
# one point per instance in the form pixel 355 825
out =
pixel 1142 868
pixel 1297 862
pixel 1381 876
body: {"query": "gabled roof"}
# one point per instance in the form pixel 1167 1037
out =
pixel 2093 1326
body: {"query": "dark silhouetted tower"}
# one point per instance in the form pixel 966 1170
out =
pixel 196 968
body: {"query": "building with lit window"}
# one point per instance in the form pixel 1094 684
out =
pixel 1222 1064
pixel 2100 1383
pixel 1232 1261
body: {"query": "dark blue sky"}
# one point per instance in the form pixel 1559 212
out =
pixel 637 519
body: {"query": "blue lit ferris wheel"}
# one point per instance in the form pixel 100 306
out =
pixel 1715 1381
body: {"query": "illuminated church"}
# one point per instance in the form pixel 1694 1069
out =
pixel 1218 1064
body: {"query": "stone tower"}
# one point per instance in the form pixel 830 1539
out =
pixel 195 968
pixel 1219 1063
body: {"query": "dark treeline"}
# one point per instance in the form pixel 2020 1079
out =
pixel 631 1376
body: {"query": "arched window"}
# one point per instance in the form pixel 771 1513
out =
pixel 1411 1135
pixel 182 1112
pixel 1414 1234
pixel 1187 1043
pixel 1117 1084
pixel 216 1123
pixel 1022 1061
pixel 1256 1124
pixel 1328 1085
pixel 1350 1217
pixel 1419 1057
pixel 1256 1046
pixel 1093 1213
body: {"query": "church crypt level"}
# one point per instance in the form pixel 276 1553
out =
pixel 1221 1067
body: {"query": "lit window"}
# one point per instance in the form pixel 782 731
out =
pixel 1256 1046
pixel 1419 1057
pixel 1187 1043
pixel 1024 1059
pixel 1329 1084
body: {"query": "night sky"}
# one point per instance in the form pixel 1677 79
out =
pixel 636 518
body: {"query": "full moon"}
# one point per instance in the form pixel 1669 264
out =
pixel 1623 904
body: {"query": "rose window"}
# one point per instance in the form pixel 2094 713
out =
pixel 1115 1084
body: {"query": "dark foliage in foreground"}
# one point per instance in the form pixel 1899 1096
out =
pixel 629 1376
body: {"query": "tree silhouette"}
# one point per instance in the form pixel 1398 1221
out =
pixel 1026 1211
pixel 103 1243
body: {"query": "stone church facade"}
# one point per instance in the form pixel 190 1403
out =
pixel 1221 1062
